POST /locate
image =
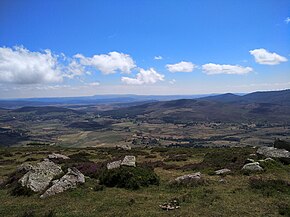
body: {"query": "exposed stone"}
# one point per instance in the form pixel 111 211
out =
pixel 272 152
pixel 129 160
pixel 39 177
pixel 222 172
pixel 25 167
pixel 70 180
pixel 57 156
pixel 124 147
pixel 223 181
pixel 187 179
pixel 250 160
pixel 114 164
pixel 174 204
pixel 253 167
pixel 253 155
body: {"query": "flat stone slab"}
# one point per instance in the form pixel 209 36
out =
pixel 129 160
pixel 114 165
pixel 222 171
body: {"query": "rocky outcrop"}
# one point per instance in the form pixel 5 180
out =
pixel 129 160
pixel 222 172
pixel 25 167
pixel 70 180
pixel 124 147
pixel 114 164
pixel 39 176
pixel 254 167
pixel 272 152
pixel 57 156
pixel 188 179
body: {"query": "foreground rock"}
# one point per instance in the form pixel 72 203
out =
pixel 25 167
pixel 70 180
pixel 222 172
pixel 58 156
pixel 170 206
pixel 129 160
pixel 272 152
pixel 188 179
pixel 114 164
pixel 38 177
pixel 254 167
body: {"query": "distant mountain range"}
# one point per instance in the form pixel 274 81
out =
pixel 272 106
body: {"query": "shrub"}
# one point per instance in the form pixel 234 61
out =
pixel 270 186
pixel 19 190
pixel 99 187
pixel 282 144
pixel 284 210
pixel 91 169
pixel 28 214
pixel 129 177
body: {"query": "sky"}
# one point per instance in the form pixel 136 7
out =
pixel 149 47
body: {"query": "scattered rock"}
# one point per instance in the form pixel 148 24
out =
pixel 124 147
pixel 272 152
pixel 250 160
pixel 25 167
pixel 223 181
pixel 222 172
pixel 39 177
pixel 114 164
pixel 58 156
pixel 70 180
pixel 266 160
pixel 129 160
pixel 253 155
pixel 174 204
pixel 253 167
pixel 187 179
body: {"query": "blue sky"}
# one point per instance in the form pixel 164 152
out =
pixel 143 47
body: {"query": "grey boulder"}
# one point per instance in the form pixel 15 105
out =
pixel 39 176
pixel 187 179
pixel 57 156
pixel 114 164
pixel 70 180
pixel 222 172
pixel 254 167
pixel 129 160
pixel 272 152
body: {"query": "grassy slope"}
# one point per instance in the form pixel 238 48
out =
pixel 235 198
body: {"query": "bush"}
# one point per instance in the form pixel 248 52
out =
pixel 19 190
pixel 28 214
pixel 270 186
pixel 282 144
pixel 99 187
pixel 129 177
pixel 284 210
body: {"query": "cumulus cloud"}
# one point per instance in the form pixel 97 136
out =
pixel 21 66
pixel 287 20
pixel 74 68
pixel 94 83
pixel 108 63
pixel 149 76
pixel 213 69
pixel 158 57
pixel 262 56
pixel 181 67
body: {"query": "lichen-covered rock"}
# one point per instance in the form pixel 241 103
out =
pixel 254 167
pixel 114 164
pixel 25 167
pixel 58 156
pixel 39 177
pixel 272 152
pixel 187 179
pixel 222 172
pixel 124 147
pixel 129 160
pixel 70 180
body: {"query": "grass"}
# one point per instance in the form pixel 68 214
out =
pixel 236 197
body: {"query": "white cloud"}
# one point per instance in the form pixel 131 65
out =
pixel 94 83
pixel 149 76
pixel 181 67
pixel 287 20
pixel 158 57
pixel 21 66
pixel 75 69
pixel 109 63
pixel 213 69
pixel 262 56
pixel 173 81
